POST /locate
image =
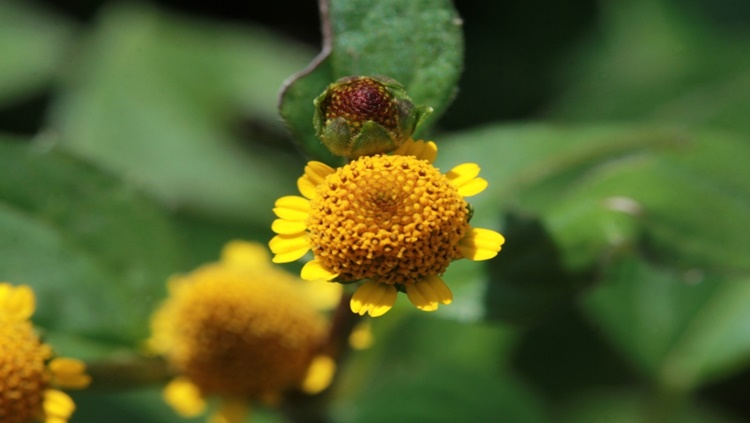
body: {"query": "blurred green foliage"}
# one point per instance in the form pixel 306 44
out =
pixel 622 292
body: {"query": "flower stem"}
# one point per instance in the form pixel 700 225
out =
pixel 304 408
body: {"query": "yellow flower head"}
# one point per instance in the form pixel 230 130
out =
pixel 242 330
pixel 394 221
pixel 27 373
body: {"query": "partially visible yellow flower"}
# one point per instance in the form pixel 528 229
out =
pixel 241 330
pixel 28 373
pixel 393 221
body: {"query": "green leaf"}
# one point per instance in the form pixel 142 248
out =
pixel 519 290
pixel 84 241
pixel 427 369
pixel 678 215
pixel 33 45
pixel 627 406
pixel 297 110
pixel 684 196
pixel 418 43
pixel 161 101
pixel 682 329
pixel 673 69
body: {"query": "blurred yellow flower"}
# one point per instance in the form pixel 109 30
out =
pixel 243 331
pixel 28 373
pixel 393 221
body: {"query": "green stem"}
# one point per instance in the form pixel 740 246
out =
pixel 304 408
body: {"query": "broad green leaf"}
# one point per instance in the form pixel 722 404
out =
pixel 680 328
pixel 678 215
pixel 296 108
pixel 161 101
pixel 33 45
pixel 652 61
pixel 427 369
pixel 684 195
pixel 418 43
pixel 628 406
pixel 96 252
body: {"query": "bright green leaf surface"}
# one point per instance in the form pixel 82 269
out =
pixel 418 43
pixel 681 328
pixel 84 241
pixel 33 44
pixel 160 100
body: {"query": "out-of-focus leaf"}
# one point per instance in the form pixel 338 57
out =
pixel 143 406
pixel 527 280
pixel 676 214
pixel 160 100
pixel 657 63
pixel 427 369
pixel 633 407
pixel 84 241
pixel 680 328
pixel 685 195
pixel 33 44
pixel 418 43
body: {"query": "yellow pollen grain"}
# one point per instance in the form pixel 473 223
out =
pixel 394 219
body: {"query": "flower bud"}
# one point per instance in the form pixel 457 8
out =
pixel 361 116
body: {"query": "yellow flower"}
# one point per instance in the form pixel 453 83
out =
pixel 28 374
pixel 241 330
pixel 393 221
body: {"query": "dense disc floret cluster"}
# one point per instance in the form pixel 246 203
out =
pixel 28 373
pixel 239 329
pixel 393 221
pixel 23 372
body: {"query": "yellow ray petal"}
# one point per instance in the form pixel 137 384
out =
pixel 422 296
pixel 288 248
pixel 373 298
pixel 473 187
pixel 424 150
pixel 17 302
pixel 481 244
pixel 57 405
pixel 441 290
pixel 428 293
pixel 292 207
pixel 315 174
pixel 319 374
pixel 464 178
pixel 288 227
pixel 184 397
pixel 245 254
pixel 69 373
pixel 231 411
pixel 314 271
